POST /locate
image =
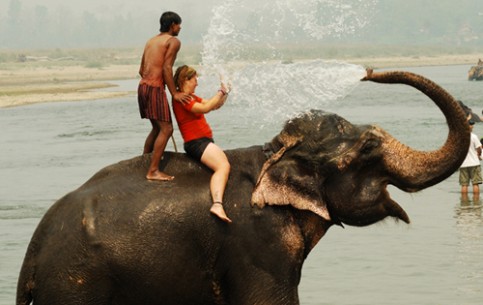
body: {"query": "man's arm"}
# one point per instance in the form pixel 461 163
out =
pixel 173 46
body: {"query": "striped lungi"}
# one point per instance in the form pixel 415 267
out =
pixel 153 103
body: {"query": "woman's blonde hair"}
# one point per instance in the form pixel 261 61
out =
pixel 182 74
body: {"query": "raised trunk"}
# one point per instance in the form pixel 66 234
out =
pixel 413 170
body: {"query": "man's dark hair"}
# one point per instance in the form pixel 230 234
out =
pixel 167 19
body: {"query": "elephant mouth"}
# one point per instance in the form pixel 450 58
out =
pixel 369 206
pixel 387 206
pixel 390 207
pixel 396 211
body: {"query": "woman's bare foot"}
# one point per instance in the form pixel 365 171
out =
pixel 160 176
pixel 217 209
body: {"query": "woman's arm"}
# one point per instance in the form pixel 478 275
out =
pixel 213 103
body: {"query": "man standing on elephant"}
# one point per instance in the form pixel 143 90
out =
pixel 470 170
pixel 156 72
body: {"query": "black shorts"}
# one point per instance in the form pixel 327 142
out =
pixel 196 148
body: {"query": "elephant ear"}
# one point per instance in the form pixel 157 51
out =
pixel 283 181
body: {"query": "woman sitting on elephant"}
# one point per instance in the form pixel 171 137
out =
pixel 197 134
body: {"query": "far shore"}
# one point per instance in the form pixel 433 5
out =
pixel 30 84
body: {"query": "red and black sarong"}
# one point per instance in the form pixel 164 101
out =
pixel 153 103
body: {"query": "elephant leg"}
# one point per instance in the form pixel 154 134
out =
pixel 259 288
pixel 268 295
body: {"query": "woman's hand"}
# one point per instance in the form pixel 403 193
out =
pixel 226 88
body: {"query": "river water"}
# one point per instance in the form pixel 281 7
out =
pixel 50 149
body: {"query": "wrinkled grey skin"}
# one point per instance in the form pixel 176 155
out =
pixel 475 73
pixel 120 239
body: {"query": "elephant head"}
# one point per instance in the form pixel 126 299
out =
pixel 340 171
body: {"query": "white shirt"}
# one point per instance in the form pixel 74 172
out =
pixel 472 156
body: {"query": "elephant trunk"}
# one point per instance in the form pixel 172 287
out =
pixel 413 170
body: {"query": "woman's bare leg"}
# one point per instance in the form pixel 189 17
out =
pixel 215 158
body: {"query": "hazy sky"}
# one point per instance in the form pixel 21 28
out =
pixel 196 14
pixel 274 17
pixel 120 6
pixel 126 22
pixel 199 10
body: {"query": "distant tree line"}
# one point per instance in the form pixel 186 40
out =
pixel 416 22
pixel 63 27
pixel 443 22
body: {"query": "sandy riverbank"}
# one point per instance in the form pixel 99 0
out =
pixel 416 61
pixel 28 84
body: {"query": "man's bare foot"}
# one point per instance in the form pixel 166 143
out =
pixel 160 176
pixel 217 209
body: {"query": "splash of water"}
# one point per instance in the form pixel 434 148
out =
pixel 241 47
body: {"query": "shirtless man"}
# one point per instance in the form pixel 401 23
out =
pixel 156 72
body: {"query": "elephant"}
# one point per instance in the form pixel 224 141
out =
pixel 476 72
pixel 470 115
pixel 121 239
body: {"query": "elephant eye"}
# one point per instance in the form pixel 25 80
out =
pixel 369 146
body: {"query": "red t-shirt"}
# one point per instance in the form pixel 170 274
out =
pixel 192 125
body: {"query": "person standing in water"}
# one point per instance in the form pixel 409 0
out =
pixel 470 170
pixel 198 136
pixel 156 73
